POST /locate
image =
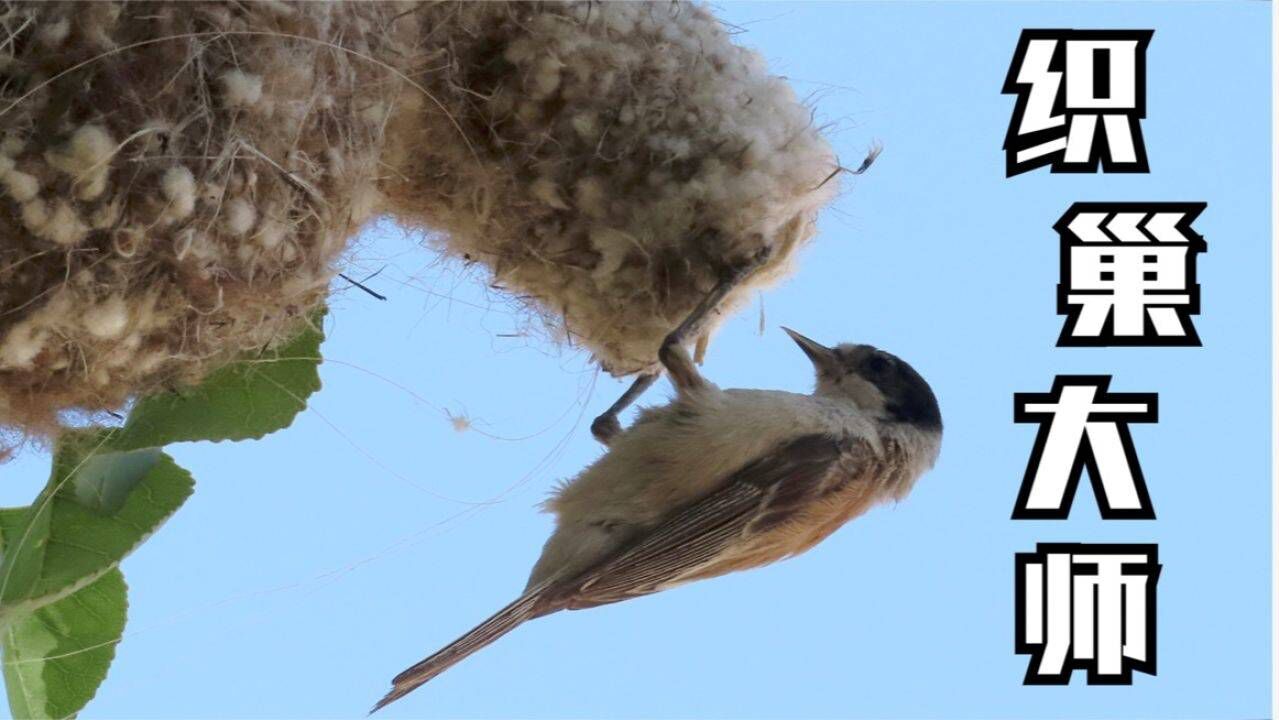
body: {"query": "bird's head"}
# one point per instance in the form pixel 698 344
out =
pixel 879 383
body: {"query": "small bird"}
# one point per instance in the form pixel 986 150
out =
pixel 721 480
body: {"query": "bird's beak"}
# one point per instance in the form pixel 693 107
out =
pixel 823 357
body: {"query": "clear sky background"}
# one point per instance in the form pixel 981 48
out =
pixel 310 567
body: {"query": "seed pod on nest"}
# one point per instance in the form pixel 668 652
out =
pixel 175 183
pixel 610 160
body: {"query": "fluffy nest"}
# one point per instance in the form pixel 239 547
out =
pixel 608 161
pixel 176 181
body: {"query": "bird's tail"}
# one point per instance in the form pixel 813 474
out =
pixel 503 621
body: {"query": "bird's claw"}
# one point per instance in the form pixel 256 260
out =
pixel 605 428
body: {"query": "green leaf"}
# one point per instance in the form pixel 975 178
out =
pixel 56 657
pixel 11 519
pixel 248 398
pixel 105 480
pixel 97 508
pixel 27 529
pixel 62 596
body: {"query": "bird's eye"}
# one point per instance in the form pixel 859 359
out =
pixel 876 365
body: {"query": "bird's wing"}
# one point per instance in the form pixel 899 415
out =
pixel 761 495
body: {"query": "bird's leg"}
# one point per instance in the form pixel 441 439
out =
pixel 673 356
pixel 606 426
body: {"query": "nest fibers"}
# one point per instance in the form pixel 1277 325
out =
pixel 610 161
pixel 175 182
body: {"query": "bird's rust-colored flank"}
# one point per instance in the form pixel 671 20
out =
pixel 775 507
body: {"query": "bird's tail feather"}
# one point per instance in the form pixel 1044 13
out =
pixel 503 621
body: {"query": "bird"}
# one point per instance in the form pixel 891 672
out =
pixel 721 480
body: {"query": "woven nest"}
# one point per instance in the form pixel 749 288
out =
pixel 609 161
pixel 175 183
pixel 178 180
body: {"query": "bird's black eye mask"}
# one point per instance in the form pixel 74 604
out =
pixel 878 367
pixel 870 364
pixel 846 360
pixel 908 398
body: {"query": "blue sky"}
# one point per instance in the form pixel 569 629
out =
pixel 312 566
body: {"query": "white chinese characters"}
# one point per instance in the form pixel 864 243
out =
pixel 1128 277
pixel 1081 425
pixel 1128 274
pixel 1080 97
pixel 1088 607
